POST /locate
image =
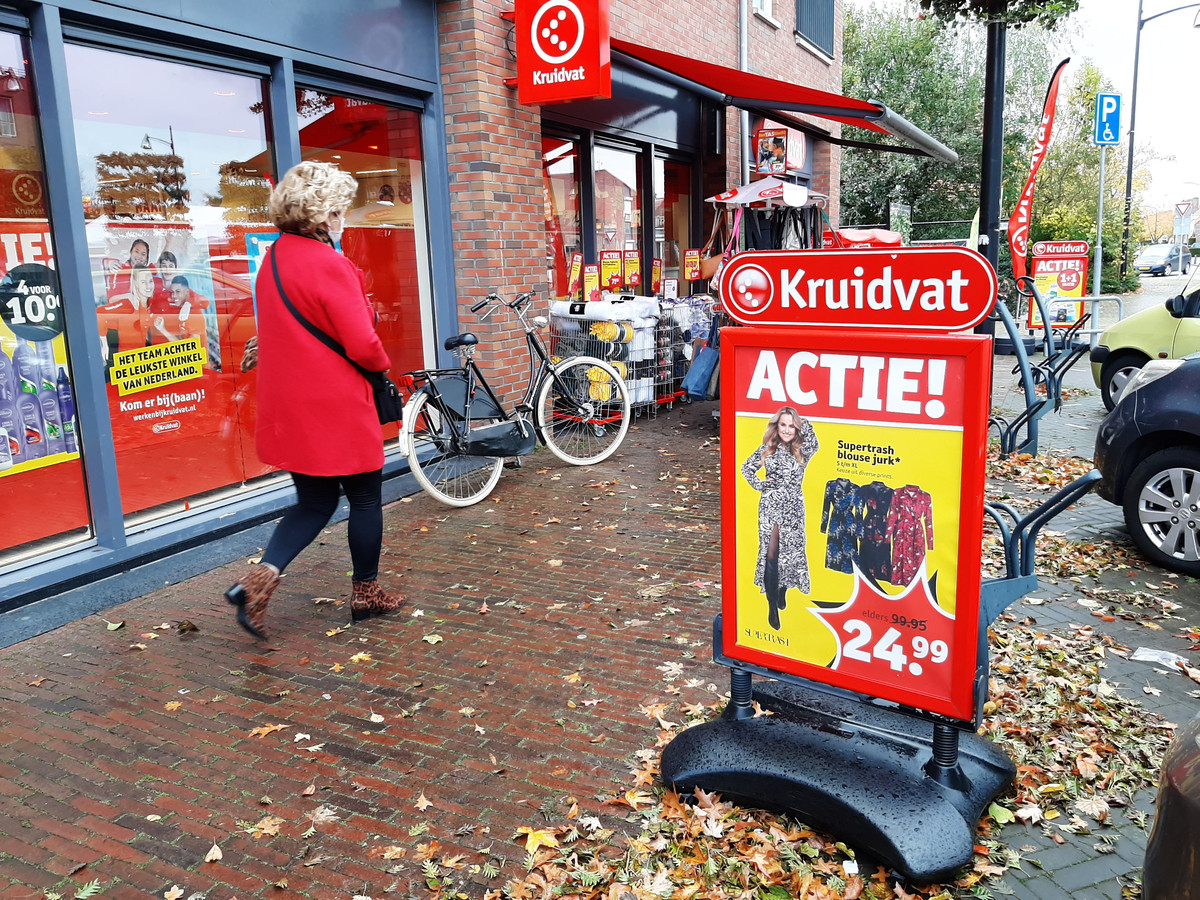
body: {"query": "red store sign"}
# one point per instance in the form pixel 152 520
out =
pixel 562 50
pixel 910 288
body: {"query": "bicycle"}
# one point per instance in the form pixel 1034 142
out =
pixel 457 434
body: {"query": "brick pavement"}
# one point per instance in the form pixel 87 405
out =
pixel 607 571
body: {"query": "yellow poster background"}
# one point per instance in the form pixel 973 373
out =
pixel 928 458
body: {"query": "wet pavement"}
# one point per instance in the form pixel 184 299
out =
pixel 542 625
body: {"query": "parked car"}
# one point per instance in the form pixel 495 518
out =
pixel 1159 259
pixel 1170 331
pixel 1148 454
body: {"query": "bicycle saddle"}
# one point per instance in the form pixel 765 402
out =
pixel 466 339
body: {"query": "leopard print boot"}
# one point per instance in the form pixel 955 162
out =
pixel 251 595
pixel 369 599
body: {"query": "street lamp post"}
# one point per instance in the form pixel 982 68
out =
pixel 1137 48
pixel 174 165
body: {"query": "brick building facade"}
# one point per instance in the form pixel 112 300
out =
pixel 495 144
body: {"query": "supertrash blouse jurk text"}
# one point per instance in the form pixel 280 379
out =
pixel 782 505
pixel 316 413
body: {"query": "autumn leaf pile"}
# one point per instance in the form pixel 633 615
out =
pixel 1044 472
pixel 1082 751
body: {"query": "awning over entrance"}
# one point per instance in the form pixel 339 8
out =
pixel 766 96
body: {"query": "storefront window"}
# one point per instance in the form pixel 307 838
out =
pixel 618 199
pixel 672 214
pixel 560 176
pixel 386 233
pixel 42 495
pixel 174 161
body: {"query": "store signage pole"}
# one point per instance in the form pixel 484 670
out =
pixel 855 401
pixel 1105 133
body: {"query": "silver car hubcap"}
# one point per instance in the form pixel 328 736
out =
pixel 1120 378
pixel 1169 510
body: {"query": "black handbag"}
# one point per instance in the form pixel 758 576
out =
pixel 389 402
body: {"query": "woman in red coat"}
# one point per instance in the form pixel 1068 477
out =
pixel 316 413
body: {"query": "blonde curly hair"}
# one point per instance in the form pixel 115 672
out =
pixel 306 196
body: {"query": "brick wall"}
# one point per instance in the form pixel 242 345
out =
pixel 496 191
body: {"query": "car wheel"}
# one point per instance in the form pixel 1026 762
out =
pixel 1115 374
pixel 1162 509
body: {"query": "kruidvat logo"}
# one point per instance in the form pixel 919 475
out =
pixel 557 31
pixel 1060 248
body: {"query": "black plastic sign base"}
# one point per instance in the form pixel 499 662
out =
pixel 852 768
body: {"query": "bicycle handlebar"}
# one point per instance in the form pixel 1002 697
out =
pixel 517 302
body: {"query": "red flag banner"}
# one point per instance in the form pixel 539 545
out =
pixel 1018 222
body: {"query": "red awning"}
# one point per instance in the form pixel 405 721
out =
pixel 747 89
pixel 764 95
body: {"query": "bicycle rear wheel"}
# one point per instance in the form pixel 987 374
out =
pixel 444 473
pixel 583 410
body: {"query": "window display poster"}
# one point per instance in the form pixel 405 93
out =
pixel 257 244
pixel 40 466
pixel 591 282
pixel 610 269
pixel 576 273
pixel 37 408
pixel 852 507
pixel 655 275
pixel 691 265
pixel 178 408
pixel 633 268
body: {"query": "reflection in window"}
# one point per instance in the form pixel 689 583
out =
pixel 672 214
pixel 618 199
pixel 560 178
pixel 386 232
pixel 174 163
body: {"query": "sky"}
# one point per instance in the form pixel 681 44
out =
pixel 1168 118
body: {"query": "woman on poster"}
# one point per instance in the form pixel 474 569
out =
pixel 789 442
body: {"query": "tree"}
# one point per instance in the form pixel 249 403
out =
pixel 933 76
pixel 141 184
pixel 1046 13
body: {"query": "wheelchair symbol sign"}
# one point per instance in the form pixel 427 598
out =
pixel 1108 120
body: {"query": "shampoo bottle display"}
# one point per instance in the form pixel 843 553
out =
pixel 66 410
pixel 33 439
pixel 27 367
pixel 47 366
pixel 10 421
pixel 6 460
pixel 8 379
pixel 55 441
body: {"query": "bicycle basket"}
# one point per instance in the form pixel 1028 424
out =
pixel 502 439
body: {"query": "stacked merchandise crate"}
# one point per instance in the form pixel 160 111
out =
pixel 618 328
pixel 683 329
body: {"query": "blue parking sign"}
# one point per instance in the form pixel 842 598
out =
pixel 1108 120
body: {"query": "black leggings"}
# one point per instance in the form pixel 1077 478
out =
pixel 316 502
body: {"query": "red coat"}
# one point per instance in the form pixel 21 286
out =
pixel 316 414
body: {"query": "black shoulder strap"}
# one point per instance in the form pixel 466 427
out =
pixel 309 326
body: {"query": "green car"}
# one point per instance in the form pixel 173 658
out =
pixel 1170 331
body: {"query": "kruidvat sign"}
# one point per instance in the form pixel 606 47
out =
pixel 562 50
pixel 932 289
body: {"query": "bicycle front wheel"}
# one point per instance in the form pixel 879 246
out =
pixel 445 473
pixel 583 410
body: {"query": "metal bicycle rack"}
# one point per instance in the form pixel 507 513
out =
pixel 1062 351
pixel 855 764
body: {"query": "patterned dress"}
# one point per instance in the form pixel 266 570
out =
pixel 910 523
pixel 841 518
pixel 782 505
pixel 874 546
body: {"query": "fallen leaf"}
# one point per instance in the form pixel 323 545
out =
pixel 113 626
pixel 376 718
pixel 264 730
pixel 423 803
pixel 360 657
pixel 432 638
pixel 214 854
pixel 309 791
pixel 172 705
pixel 537 837
pixel 174 893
